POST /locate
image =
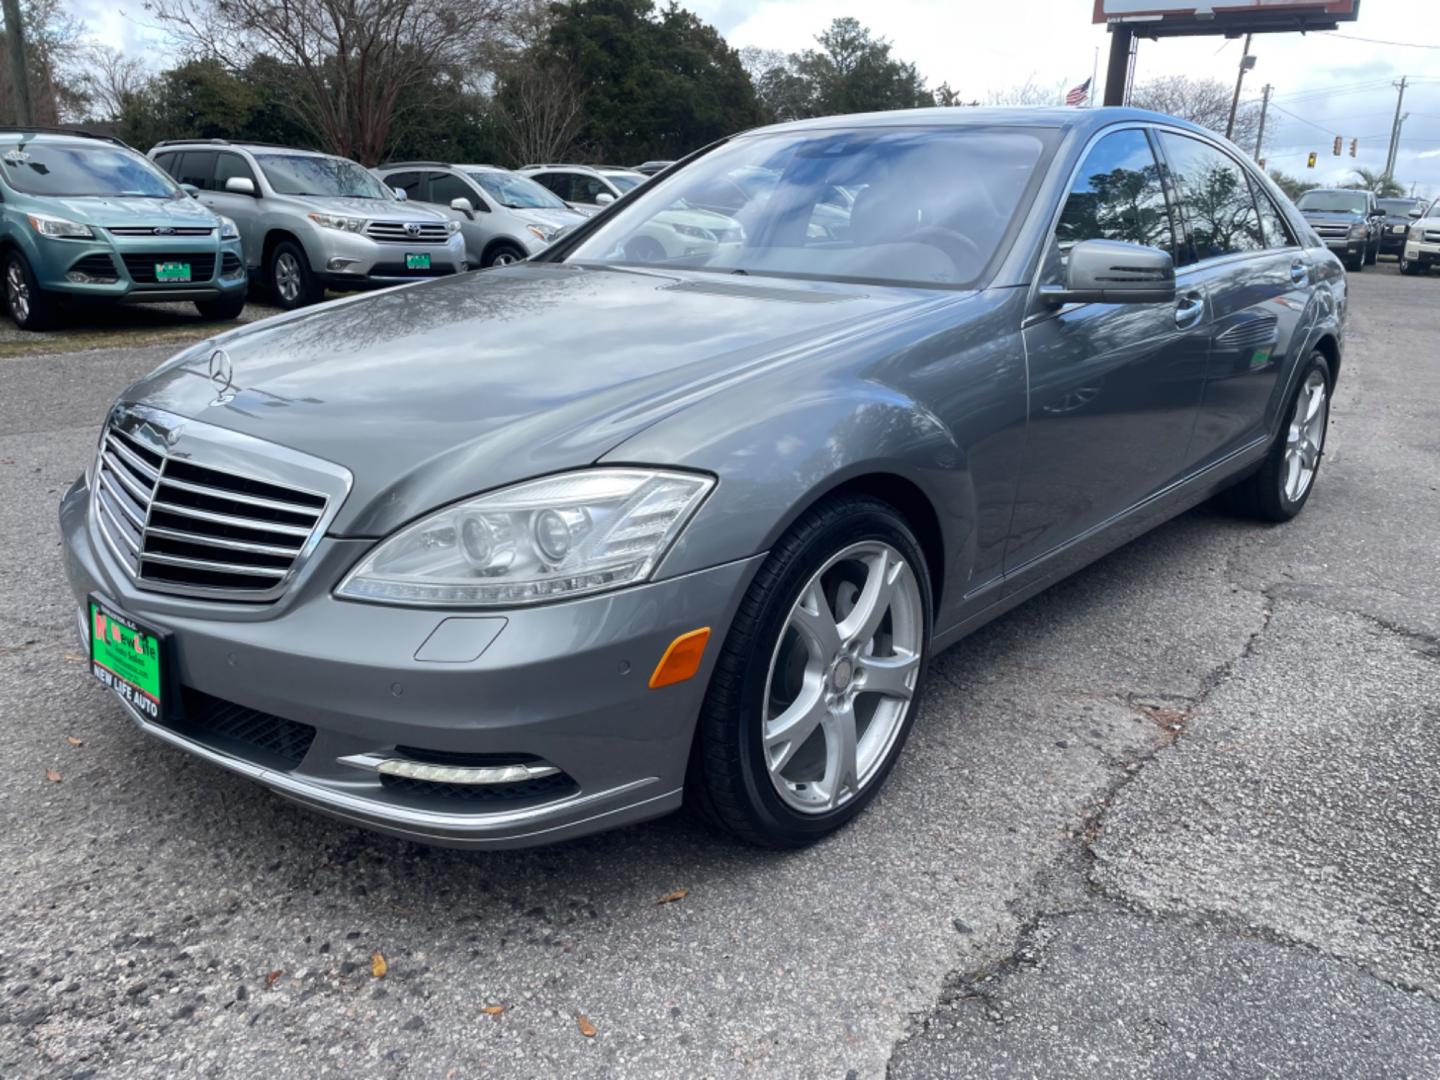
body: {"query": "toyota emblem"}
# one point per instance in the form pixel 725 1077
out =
pixel 412 228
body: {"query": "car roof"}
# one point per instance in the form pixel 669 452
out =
pixel 1085 120
pixel 225 144
pixel 61 136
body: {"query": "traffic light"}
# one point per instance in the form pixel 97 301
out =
pixel 1311 163
pixel 1353 144
pixel 1338 141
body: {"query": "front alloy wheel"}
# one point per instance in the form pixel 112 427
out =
pixel 28 305
pixel 819 678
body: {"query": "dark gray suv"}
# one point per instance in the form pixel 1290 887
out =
pixel 511 557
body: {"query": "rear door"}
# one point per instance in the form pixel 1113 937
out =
pixel 1114 388
pixel 1257 279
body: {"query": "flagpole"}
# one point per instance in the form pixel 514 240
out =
pixel 1094 74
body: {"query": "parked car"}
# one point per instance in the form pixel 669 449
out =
pixel 504 217
pixel 583 187
pixel 1422 243
pixel 1349 221
pixel 311 221
pixel 516 556
pixel 83 218
pixel 650 168
pixel 1399 214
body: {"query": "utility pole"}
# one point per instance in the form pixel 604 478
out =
pixel 15 38
pixel 1264 108
pixel 1395 128
pixel 1246 63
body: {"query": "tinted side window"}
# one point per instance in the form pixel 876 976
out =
pixel 588 187
pixel 408 182
pixel 197 167
pixel 166 161
pixel 1117 195
pixel 559 183
pixel 1214 198
pixel 228 165
pixel 1272 222
pixel 446 186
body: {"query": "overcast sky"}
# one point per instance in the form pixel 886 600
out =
pixel 1324 84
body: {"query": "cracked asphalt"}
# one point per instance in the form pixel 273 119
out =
pixel 1175 817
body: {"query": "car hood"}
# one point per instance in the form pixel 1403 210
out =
pixel 1333 215
pixel 373 209
pixel 432 392
pixel 131 211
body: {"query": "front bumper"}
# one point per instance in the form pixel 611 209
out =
pixel 1422 254
pixel 1392 242
pixel 566 683
pixel 132 261
pixel 346 261
pixel 1345 245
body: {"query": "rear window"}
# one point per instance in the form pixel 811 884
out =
pixel 64 170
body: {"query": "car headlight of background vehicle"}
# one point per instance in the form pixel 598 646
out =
pixel 1357 230
pixel 1417 233
pixel 550 539
pixel 694 232
pixel 228 229
pixel 337 221
pixel 452 227
pixel 49 225
pixel 544 233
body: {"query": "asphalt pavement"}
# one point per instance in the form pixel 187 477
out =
pixel 1175 817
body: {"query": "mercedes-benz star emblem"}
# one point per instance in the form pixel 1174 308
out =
pixel 222 376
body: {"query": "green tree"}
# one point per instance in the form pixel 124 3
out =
pixel 1292 187
pixel 853 71
pixel 1380 183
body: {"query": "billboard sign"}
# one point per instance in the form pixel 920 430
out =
pixel 1105 10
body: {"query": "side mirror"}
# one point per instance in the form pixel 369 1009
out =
pixel 1112 272
pixel 1417 211
pixel 400 195
pixel 463 205
pixel 240 185
pixel 604 199
pixel 191 190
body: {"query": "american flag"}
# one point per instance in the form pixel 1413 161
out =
pixel 1078 95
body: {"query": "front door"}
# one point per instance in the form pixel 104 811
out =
pixel 245 209
pixel 1114 389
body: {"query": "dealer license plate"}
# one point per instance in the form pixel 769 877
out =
pixel 125 655
pixel 172 271
pixel 417 262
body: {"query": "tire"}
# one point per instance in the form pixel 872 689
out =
pixel 644 249
pixel 1269 494
pixel 1409 268
pixel 222 309
pixel 831 551
pixel 292 282
pixel 1355 261
pixel 30 306
pixel 503 255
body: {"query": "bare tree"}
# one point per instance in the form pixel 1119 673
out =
pixel 539 108
pixel 112 80
pixel 1030 92
pixel 1201 101
pixel 356 60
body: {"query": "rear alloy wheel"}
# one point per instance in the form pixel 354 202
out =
pixel 504 255
pixel 1372 255
pixel 819 679
pixel 30 306
pixel 1279 490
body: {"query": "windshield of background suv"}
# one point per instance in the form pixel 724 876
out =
pixel 296 174
pixel 517 192
pixel 1333 202
pixel 69 170
pixel 929 206
pixel 1400 207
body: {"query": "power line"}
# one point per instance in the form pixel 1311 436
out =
pixel 1378 41
pixel 1312 123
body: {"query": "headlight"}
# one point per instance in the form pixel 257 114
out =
pixel 544 233
pixel 452 227
pixel 1417 233
pixel 691 230
pixel 1357 230
pixel 47 225
pixel 549 539
pixel 228 229
pixel 335 221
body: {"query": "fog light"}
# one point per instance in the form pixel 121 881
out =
pixel 461 774
pixel 79 277
pixel 340 263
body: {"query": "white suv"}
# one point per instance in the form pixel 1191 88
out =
pixel 311 221
pixel 1422 243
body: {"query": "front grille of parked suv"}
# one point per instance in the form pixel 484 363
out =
pixel 141 267
pixel 1432 236
pixel 399 232
pixel 1332 229
pixel 181 527
pixel 159 230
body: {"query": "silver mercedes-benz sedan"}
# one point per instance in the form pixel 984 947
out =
pixel 510 557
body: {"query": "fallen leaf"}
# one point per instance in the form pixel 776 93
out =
pixel 73 741
pixel 671 897
pixel 493 1010
pixel 74 658
pixel 586 1027
pixel 271 976
pixel 378 966
pixel 52 776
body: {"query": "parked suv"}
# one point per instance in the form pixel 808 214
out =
pixel 1399 213
pixel 311 221
pixel 1422 242
pixel 586 187
pixel 86 218
pixel 1349 221
pixel 504 217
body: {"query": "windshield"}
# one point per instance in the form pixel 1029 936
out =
pixel 624 181
pixel 67 170
pixel 295 174
pixel 517 192
pixel 1400 207
pixel 929 206
pixel 1333 202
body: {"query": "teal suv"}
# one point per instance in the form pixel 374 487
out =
pixel 85 218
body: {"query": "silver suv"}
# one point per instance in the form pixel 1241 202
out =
pixel 587 188
pixel 310 221
pixel 504 217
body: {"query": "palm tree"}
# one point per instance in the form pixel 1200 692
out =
pixel 1381 184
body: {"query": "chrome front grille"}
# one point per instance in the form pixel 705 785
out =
pixel 1333 231
pixel 1432 236
pixel 182 527
pixel 399 232
pixel 159 230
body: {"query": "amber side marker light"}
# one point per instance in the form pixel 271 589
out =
pixel 682 659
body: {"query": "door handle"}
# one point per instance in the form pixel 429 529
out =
pixel 1299 273
pixel 1188 310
